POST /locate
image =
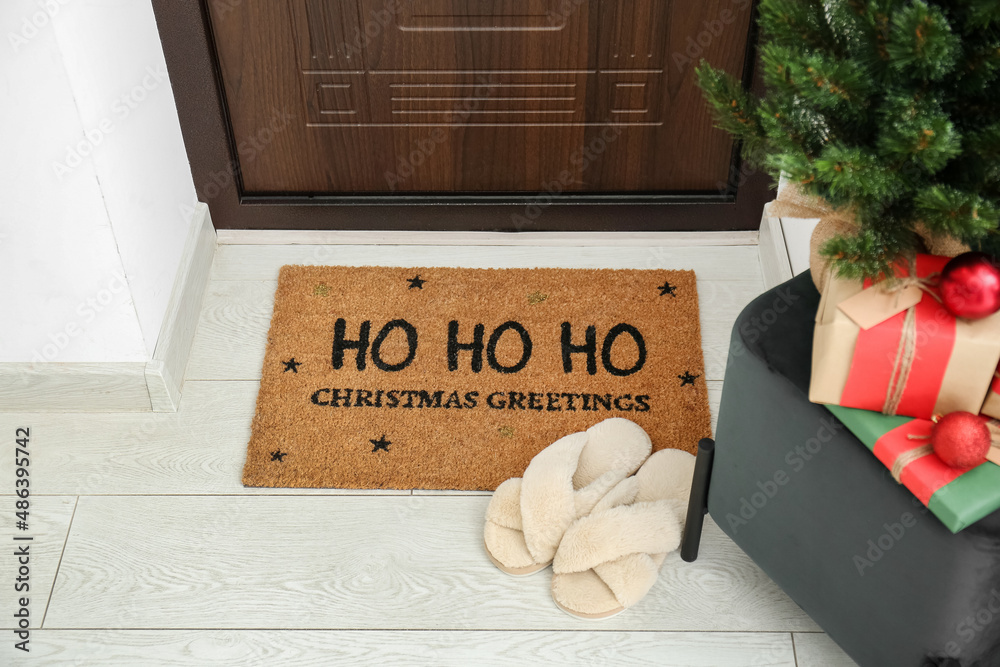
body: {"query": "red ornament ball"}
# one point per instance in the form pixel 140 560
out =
pixel 970 286
pixel 961 439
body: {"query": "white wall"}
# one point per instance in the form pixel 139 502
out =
pixel 115 64
pixel 94 181
pixel 61 292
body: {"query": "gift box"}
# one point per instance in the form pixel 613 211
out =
pixel 901 352
pixel 957 496
pixel 992 405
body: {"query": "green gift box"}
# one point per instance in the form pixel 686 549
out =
pixel 957 496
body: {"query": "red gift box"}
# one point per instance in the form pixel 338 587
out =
pixel 918 361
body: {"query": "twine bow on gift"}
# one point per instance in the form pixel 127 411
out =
pixel 908 457
pixel 929 284
pixel 906 352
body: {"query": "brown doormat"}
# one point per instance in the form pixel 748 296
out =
pixel 438 378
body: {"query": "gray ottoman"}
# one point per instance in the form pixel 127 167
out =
pixel 810 504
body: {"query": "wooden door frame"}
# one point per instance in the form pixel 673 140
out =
pixel 185 32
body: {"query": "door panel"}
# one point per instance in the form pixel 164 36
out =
pixel 448 35
pixel 475 96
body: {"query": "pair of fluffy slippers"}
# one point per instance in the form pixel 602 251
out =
pixel 600 509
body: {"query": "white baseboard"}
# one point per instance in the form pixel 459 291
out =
pixel 775 264
pixel 154 385
pixel 165 372
pixel 51 386
pixel 625 239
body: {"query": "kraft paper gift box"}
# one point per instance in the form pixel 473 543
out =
pixel 992 405
pixel 948 367
pixel 957 496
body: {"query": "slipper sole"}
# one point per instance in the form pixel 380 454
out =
pixel 526 571
pixel 590 617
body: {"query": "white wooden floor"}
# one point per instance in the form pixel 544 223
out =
pixel 147 549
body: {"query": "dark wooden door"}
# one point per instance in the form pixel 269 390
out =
pixel 328 97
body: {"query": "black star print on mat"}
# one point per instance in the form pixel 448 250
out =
pixel 292 365
pixel 687 378
pixel 666 288
pixel 415 281
pixel 381 443
pixel 279 456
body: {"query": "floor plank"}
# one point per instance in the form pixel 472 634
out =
pixel 198 450
pixel 170 560
pixel 380 563
pixel 236 315
pixel 48 521
pixel 816 649
pixel 457 649
pixel 232 331
pixel 261 262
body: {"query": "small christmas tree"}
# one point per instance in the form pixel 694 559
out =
pixel 891 107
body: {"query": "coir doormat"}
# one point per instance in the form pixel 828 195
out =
pixel 438 378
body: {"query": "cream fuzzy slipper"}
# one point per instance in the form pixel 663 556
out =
pixel 607 561
pixel 527 516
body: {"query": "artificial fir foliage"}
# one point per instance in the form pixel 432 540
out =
pixel 890 107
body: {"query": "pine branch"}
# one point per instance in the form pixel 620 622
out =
pixel 854 174
pixel 916 130
pixel 981 13
pixel 853 23
pixel 965 215
pixel 985 142
pixel 921 44
pixel 798 23
pixel 979 64
pixel 794 127
pixel 889 106
pixel 819 81
pixel 990 244
pixel 868 254
pixel 734 110
pixel 798 168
